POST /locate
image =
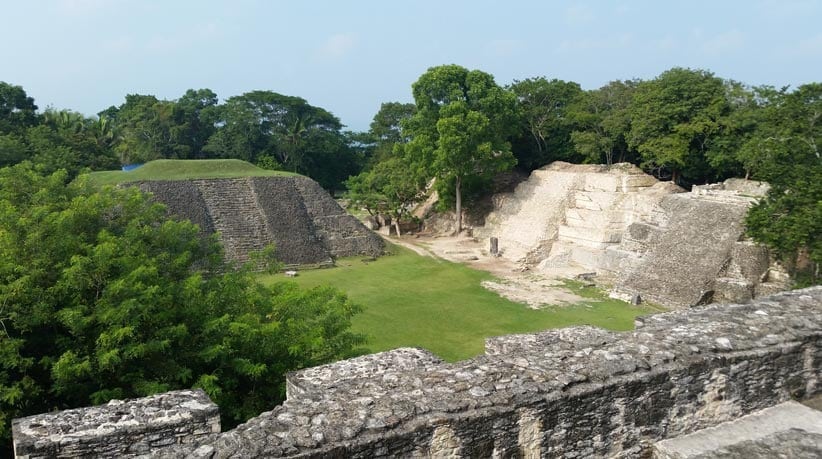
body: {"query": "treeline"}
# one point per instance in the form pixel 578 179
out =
pixel 271 130
pixel 685 125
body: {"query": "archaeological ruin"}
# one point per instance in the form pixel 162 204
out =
pixel 294 213
pixel 574 392
pixel 642 237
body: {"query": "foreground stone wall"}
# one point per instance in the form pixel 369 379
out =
pixel 118 428
pixel 574 392
pixel 295 213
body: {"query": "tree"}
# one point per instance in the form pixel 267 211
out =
pixel 461 126
pixel 68 140
pixel 785 152
pixel 194 117
pixel 102 296
pixel 17 110
pixel 676 119
pixel 602 121
pixel 386 128
pixel 146 127
pixel 392 186
pixel 283 132
pixel 544 125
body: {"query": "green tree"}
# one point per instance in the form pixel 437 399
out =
pixel 102 296
pixel 392 186
pixel 602 121
pixel 283 132
pixel 386 128
pixel 194 116
pixel 17 109
pixel 68 140
pixel 676 120
pixel 461 126
pixel 784 151
pixel 146 127
pixel 545 127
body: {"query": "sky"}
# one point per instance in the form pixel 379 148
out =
pixel 350 56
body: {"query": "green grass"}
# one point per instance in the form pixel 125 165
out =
pixel 410 300
pixel 178 169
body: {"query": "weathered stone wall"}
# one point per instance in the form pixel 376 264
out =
pixel 695 252
pixel 575 392
pixel 295 213
pixel 119 428
pixel 644 237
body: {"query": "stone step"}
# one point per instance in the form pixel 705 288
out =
pixel 772 432
pixel 594 219
pixel 596 200
pixel 589 237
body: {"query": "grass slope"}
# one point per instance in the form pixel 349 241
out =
pixel 179 169
pixel 417 301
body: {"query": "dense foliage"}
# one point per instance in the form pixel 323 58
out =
pixel 102 296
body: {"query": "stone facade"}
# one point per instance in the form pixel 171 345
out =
pixel 120 428
pixel 647 239
pixel 574 392
pixel 295 213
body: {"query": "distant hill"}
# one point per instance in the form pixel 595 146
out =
pixel 183 169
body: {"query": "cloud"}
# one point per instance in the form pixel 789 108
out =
pixel 337 46
pixel 724 43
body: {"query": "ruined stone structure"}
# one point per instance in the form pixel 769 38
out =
pixel 295 213
pixel 644 237
pixel 574 392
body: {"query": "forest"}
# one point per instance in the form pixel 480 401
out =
pixel 97 285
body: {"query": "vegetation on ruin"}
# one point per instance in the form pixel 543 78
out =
pixel 411 300
pixel 175 169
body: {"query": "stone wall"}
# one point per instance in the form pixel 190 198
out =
pixel 295 213
pixel 641 236
pixel 574 392
pixel 119 428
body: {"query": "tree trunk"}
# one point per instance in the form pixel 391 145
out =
pixel 675 176
pixel 459 205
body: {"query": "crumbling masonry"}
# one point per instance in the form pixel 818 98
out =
pixel 574 392
pixel 306 225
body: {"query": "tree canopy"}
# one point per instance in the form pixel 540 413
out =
pixel 461 126
pixel 102 296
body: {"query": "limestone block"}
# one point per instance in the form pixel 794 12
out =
pixel 749 260
pixel 730 290
pixel 590 237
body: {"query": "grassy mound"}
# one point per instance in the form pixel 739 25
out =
pixel 410 300
pixel 179 169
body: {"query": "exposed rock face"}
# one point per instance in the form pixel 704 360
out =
pixel 295 213
pixel 574 392
pixel 647 238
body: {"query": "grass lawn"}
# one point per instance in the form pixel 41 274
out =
pixel 178 169
pixel 410 300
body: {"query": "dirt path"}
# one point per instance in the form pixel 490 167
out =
pixel 514 281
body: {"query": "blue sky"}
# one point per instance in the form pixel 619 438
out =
pixel 349 56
